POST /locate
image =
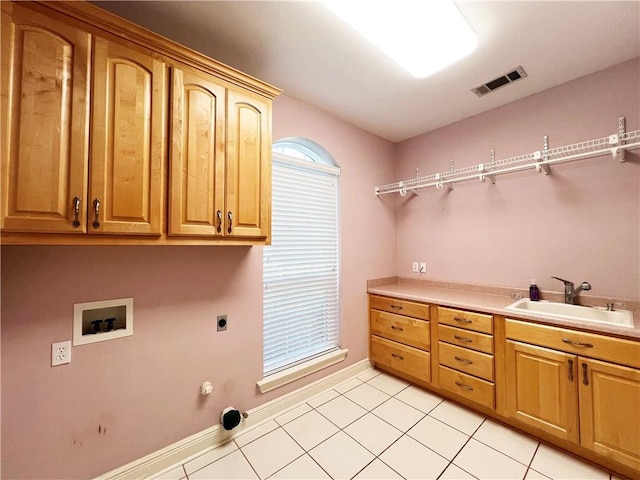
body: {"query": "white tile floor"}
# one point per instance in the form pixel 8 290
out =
pixel 377 426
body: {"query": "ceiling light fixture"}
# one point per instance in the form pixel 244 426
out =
pixel 422 36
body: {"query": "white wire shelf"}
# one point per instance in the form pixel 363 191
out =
pixel 615 145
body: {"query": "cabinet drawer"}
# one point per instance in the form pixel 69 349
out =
pixel 472 388
pixel 467 320
pixel 465 360
pixel 617 350
pixel 402 307
pixel 409 360
pixel 409 331
pixel 466 338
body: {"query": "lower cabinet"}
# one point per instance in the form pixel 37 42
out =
pixel 578 390
pixel 465 355
pixel 415 363
pixel 583 400
pixel 400 336
pixel 610 411
pixel 542 389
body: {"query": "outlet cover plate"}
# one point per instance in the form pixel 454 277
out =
pixel 60 353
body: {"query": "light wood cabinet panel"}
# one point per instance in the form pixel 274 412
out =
pixel 409 331
pixel 466 338
pixel 617 350
pixel 610 411
pixel 401 307
pixel 467 386
pixel 542 390
pixel 196 188
pixel 248 166
pixel 466 360
pixel 411 361
pixel 478 322
pixel 128 140
pixel 45 122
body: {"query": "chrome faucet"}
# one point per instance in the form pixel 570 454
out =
pixel 569 293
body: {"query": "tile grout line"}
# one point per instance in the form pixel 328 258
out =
pixel 469 437
pixel 250 464
pixel 531 461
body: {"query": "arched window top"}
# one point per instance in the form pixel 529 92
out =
pixel 304 149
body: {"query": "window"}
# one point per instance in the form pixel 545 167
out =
pixel 301 265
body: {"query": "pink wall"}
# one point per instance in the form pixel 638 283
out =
pixel 582 222
pixel 143 391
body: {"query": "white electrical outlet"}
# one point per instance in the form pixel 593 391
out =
pixel 423 267
pixel 415 267
pixel 60 353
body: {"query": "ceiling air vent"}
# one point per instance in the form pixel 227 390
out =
pixel 516 74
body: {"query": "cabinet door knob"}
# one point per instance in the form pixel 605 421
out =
pixel 96 212
pixel 219 217
pixel 230 219
pixel 585 376
pixel 76 212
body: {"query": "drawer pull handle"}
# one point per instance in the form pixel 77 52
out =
pixel 96 212
pixel 400 329
pixel 230 219
pixel 76 212
pixel 219 218
pixel 463 339
pixel 396 307
pixel 570 370
pixel 464 360
pixel 585 377
pixel 399 357
pixel 577 344
pixel 469 388
pixel 461 320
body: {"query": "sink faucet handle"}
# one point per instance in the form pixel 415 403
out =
pixel 566 282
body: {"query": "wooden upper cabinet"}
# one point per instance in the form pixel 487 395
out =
pixel 45 125
pixel 248 166
pixel 128 140
pixel 89 154
pixel 196 185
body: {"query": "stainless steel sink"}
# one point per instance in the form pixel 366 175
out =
pixel 565 311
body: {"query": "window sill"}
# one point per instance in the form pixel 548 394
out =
pixel 294 373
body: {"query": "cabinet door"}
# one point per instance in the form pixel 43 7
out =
pixel 610 411
pixel 128 141
pixel 196 196
pixel 45 101
pixel 248 167
pixel 542 389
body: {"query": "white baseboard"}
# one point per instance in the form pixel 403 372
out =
pixel 210 438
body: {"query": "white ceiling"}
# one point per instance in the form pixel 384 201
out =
pixel 302 48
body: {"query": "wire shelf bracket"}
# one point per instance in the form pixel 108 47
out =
pixel 615 145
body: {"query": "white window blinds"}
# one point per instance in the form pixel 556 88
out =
pixel 301 265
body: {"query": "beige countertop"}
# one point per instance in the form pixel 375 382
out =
pixel 490 300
